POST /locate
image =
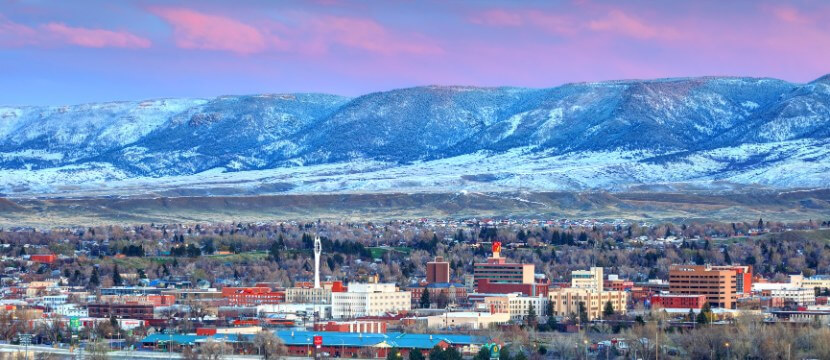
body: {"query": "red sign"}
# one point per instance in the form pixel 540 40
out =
pixel 496 246
pixel 318 341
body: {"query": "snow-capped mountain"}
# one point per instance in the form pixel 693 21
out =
pixel 606 135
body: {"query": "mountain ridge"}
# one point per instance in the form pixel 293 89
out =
pixel 577 136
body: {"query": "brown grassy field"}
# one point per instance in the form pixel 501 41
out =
pixel 650 206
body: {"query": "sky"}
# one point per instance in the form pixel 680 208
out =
pixel 68 52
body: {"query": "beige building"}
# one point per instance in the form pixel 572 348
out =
pixel 565 301
pixel 467 319
pixel 369 300
pixel 516 305
pixel 587 279
pixel 302 295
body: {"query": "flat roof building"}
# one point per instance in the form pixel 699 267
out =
pixel 719 285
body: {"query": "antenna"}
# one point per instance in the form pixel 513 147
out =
pixel 318 248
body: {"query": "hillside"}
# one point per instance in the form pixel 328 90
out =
pixel 708 132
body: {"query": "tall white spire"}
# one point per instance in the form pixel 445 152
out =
pixel 318 248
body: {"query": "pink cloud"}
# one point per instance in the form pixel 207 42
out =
pixel 497 17
pixel 622 23
pixel 546 21
pixel 14 34
pixel 96 38
pixel 195 30
pixel 789 15
pixel 368 35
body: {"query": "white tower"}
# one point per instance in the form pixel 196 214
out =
pixel 318 248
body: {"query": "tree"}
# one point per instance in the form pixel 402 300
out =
pixel 213 350
pixel 116 276
pixel 94 281
pixel 416 354
pixel 691 315
pixel 483 354
pixel 583 313
pixel 394 354
pixel 269 345
pixel 531 316
pixel 608 311
pixel 703 316
pixel 425 299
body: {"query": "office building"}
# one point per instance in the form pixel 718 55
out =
pixel 369 300
pixel 438 271
pixel 719 286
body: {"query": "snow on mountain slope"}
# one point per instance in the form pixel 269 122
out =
pixel 606 135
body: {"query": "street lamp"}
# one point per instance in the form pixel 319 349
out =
pixel 586 348
pixel 728 353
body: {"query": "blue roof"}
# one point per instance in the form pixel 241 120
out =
pixel 302 338
pixel 443 285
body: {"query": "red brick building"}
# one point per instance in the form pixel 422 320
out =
pixel 485 286
pixel 376 327
pixel 246 296
pixel 667 301
pixel 438 271
pixel 455 293
pixel 126 311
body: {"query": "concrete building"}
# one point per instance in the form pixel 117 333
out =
pixel 797 296
pixel 588 279
pixel 467 320
pixel 719 286
pixel 438 271
pixel 369 300
pixel 565 301
pixel 371 327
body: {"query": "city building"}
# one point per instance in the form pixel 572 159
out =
pixel 374 327
pixel 616 284
pixel 719 286
pixel 743 277
pixel 669 301
pixel 565 301
pixel 438 271
pixel 797 296
pixel 305 292
pixel 497 276
pixel 127 310
pixel 252 296
pixel 591 279
pixel 369 300
pixel 474 320
pixel 451 292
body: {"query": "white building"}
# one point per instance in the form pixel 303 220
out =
pixel 587 279
pixel 798 296
pixel 369 300
pixel 519 306
pixel 70 310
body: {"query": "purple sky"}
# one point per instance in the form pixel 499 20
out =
pixel 62 52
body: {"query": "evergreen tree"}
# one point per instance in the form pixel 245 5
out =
pixel 726 258
pixel 483 354
pixel 760 224
pixel 691 316
pixel 703 316
pixel 425 302
pixel 608 310
pixel 531 318
pixel 116 276
pixel 94 281
pixel 394 354
pixel 415 354
pixel 583 313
